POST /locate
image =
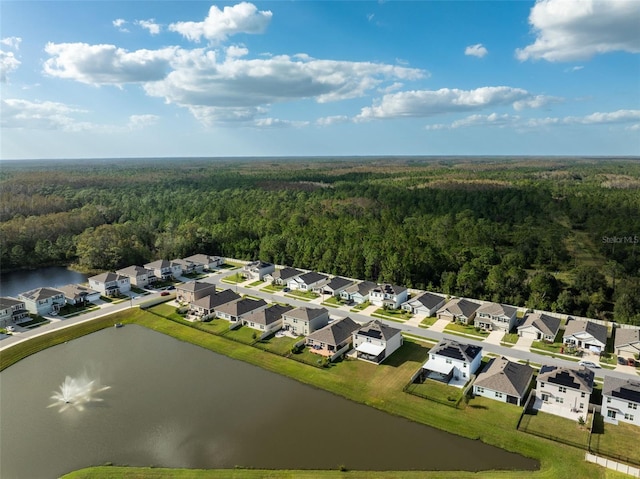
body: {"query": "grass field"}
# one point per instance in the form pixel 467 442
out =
pixel 465 329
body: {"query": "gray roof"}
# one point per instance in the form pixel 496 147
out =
pixel 108 277
pixel 271 314
pixel 580 379
pixel 41 293
pixel 312 277
pixel 495 309
pixel 133 271
pixel 626 336
pixel 460 307
pixel 258 265
pixel 213 300
pixel 429 300
pixel 455 350
pixel 596 330
pixel 307 314
pixel 626 389
pixel 7 302
pixel 505 376
pixel 547 325
pixel 338 282
pixel 376 329
pixel 391 289
pixel 194 286
pixel 159 264
pixel 76 290
pixel 241 306
pixel 362 287
pixel 336 332
pixel 203 259
pixel 286 273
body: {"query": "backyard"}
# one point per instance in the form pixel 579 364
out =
pixel 557 428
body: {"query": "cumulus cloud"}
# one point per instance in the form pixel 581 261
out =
pixel 106 64
pixel 8 63
pixel 619 116
pixel 120 23
pixel 277 123
pixel 220 24
pixel 493 119
pixel 332 120
pixel 46 115
pixel 477 50
pixel 150 25
pixel 11 42
pixel 425 103
pixel 568 30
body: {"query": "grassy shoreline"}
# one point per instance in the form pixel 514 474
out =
pixel 382 390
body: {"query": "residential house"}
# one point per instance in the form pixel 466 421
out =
pixel 375 341
pixel 257 270
pixel 191 290
pixel 389 296
pixel 459 310
pixel 503 380
pixel 268 320
pixel 336 285
pixel 79 294
pixel 164 269
pixel 188 267
pixel 205 262
pixel 239 310
pixel 282 276
pixel 585 335
pixel 304 321
pixel 425 303
pixel 138 276
pixel 621 400
pixel 307 281
pixel 564 391
pixel 452 362
pixel 494 316
pixel 334 338
pixel 627 342
pixel 12 311
pixel 358 293
pixel 43 301
pixel 205 307
pixel 539 326
pixel 110 284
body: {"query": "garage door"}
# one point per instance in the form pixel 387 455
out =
pixel 529 334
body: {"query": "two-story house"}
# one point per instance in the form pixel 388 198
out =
pixel 164 269
pixel 304 321
pixel 205 262
pixel 78 294
pixel 138 276
pixel 12 311
pixel 375 341
pixel 257 270
pixel 452 362
pixel 564 391
pixel 43 301
pixel 192 290
pixel 585 335
pixel 205 307
pixel 390 296
pixel 627 342
pixel 307 281
pixel 539 326
pixel 459 310
pixel 425 303
pixel 621 400
pixel 110 284
pixel 503 380
pixel 494 316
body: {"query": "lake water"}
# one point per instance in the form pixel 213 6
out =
pixel 173 404
pixel 16 282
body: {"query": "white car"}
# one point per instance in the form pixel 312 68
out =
pixel 589 364
pixel 10 329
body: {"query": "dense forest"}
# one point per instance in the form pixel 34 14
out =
pixel 549 233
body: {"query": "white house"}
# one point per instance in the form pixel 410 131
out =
pixel 585 335
pixel 564 391
pixel 78 294
pixel 539 326
pixel 282 276
pixel 267 320
pixel 375 341
pixel 307 281
pixel 138 275
pixel 452 362
pixel 110 284
pixel 240 310
pixel 43 301
pixel 304 321
pixel 503 380
pixel 205 307
pixel 493 316
pixel 12 311
pixel 459 310
pixel 206 261
pixel 388 295
pixel 358 293
pixel 621 400
pixel 336 285
pixel 164 269
pixel 425 303
pixel 257 270
pixel 627 342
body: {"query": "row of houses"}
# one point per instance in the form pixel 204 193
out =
pixel 562 391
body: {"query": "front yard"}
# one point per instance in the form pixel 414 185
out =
pixel 465 329
pixel 428 322
pixel 304 295
pixel 392 314
pixel 234 279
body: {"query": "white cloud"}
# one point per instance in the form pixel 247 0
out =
pixel 106 64
pixel 120 23
pixel 619 116
pixel 493 119
pixel 137 122
pixel 46 115
pixel 235 51
pixel 537 101
pixel 277 123
pixel 8 63
pixel 477 50
pixel 150 25
pixel 11 42
pixel 220 24
pixel 568 30
pixel 424 103
pixel 332 120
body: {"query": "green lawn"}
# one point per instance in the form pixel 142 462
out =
pixel 360 307
pixel 167 311
pixel 437 391
pixel 619 440
pixel 233 279
pixel 35 321
pixel 428 322
pixel 305 295
pixel 244 334
pixel 556 426
pixel 465 329
pixel 306 356
pixel 281 346
pixel 392 314
pixel 551 347
pixel 273 288
pixel 510 338
pixel 333 302
pixel 255 283
pixel 218 326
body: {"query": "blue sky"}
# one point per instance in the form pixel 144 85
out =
pixel 162 78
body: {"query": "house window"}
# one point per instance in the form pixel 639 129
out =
pixel 608 400
pixel 560 400
pixel 449 361
pixel 582 394
pixel 480 390
pixel 545 397
pixel 562 389
pixel 633 405
pixel 464 375
pixel 498 394
pixel 581 405
pixel 464 365
pixel 611 414
pixel 541 385
pixel 628 417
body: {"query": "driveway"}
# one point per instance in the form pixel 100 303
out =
pixel 524 343
pixel 495 337
pixel 439 325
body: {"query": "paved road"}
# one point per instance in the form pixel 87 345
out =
pixel 429 334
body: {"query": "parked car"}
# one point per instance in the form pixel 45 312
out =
pixel 622 361
pixel 285 290
pixel 589 364
pixel 169 288
pixel 11 329
pixel 631 362
pixel 164 293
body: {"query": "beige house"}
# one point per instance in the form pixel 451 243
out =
pixel 240 310
pixel 192 290
pixel 627 342
pixel 332 338
pixel 110 284
pixel 494 316
pixel 78 294
pixel 138 276
pixel 205 307
pixel 459 310
pixel 539 326
pixel 304 321
pixel 268 320
pixel 585 335
pixel 503 380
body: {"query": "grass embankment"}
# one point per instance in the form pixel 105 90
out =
pixel 378 386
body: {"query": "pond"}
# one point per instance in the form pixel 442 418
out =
pixel 136 397
pixel 13 283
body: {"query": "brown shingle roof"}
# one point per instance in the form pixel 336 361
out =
pixel 544 323
pixel 505 376
pixel 336 332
